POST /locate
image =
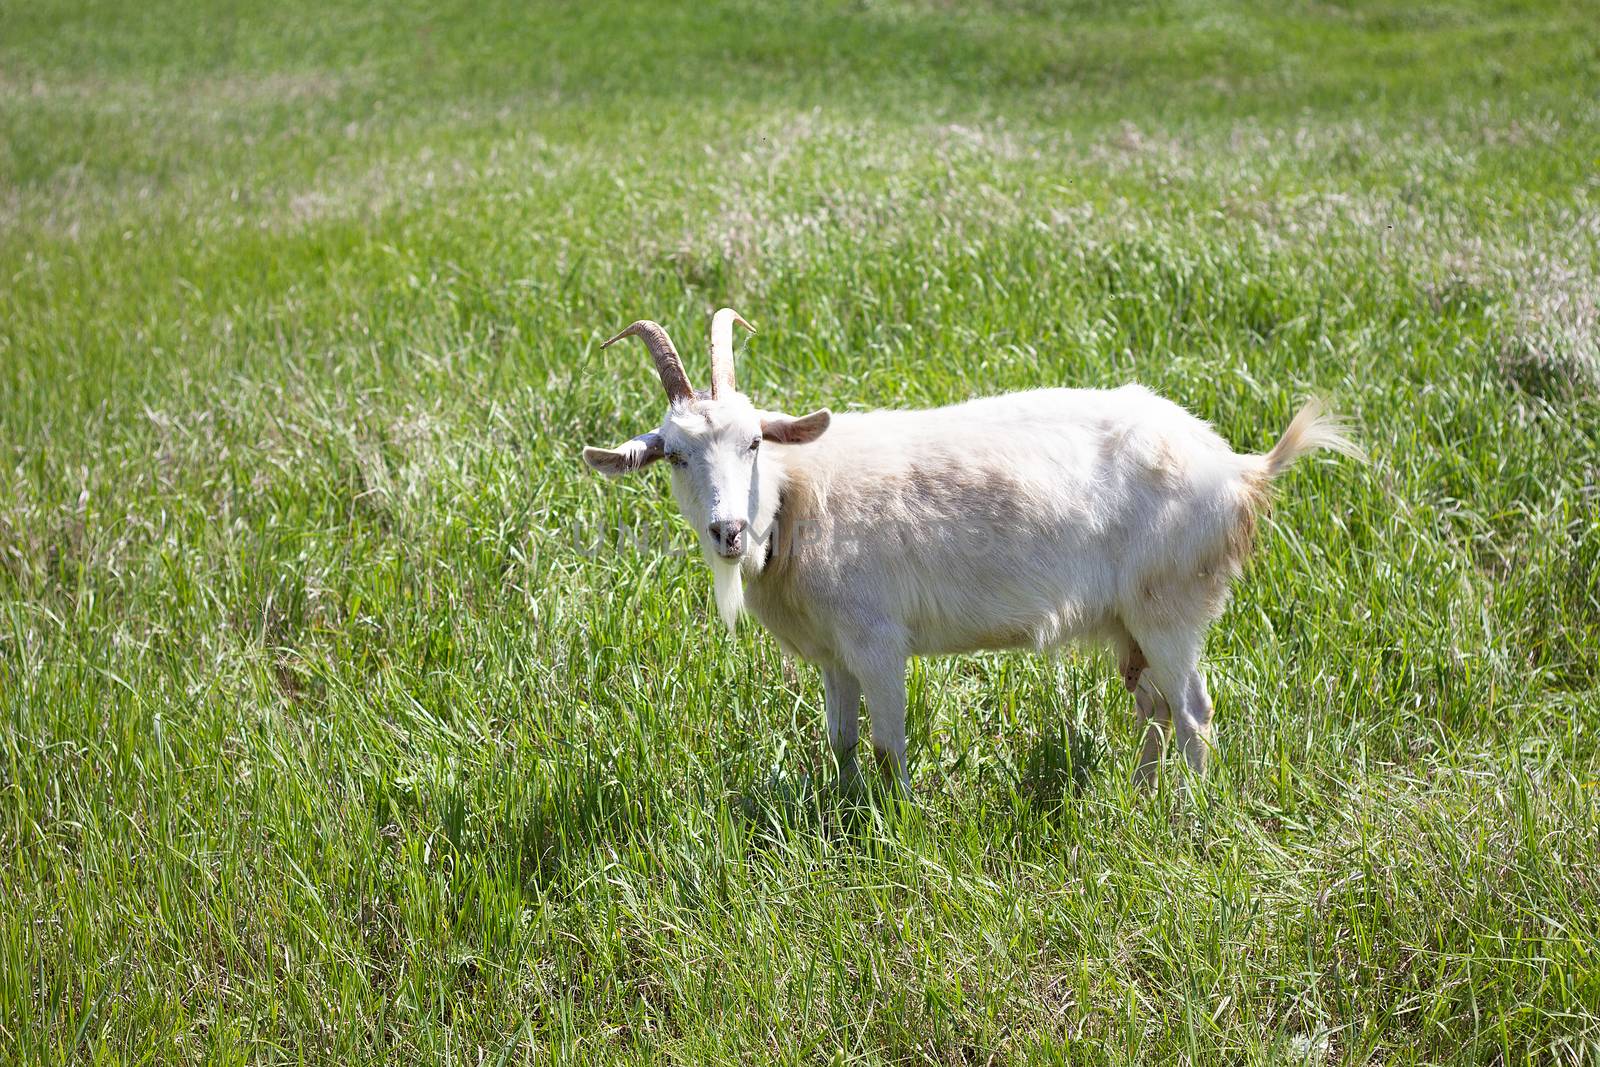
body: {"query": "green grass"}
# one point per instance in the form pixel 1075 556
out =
pixel 322 740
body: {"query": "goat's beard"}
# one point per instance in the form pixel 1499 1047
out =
pixel 727 577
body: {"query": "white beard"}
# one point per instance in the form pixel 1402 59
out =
pixel 728 579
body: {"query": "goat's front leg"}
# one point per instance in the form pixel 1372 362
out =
pixel 881 669
pixel 841 695
pixel 874 650
pixel 886 703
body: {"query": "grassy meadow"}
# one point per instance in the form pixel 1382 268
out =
pixel 338 724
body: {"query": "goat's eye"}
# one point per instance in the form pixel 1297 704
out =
pixel 675 459
pixel 755 444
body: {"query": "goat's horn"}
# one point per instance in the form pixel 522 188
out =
pixel 722 349
pixel 668 365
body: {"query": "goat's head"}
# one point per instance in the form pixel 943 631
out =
pixel 712 438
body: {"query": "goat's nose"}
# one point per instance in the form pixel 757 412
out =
pixel 727 533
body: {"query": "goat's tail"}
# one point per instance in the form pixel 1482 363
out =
pixel 1313 427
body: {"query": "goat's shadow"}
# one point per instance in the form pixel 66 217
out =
pixel 1053 770
pixel 816 803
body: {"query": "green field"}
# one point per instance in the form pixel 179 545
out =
pixel 329 733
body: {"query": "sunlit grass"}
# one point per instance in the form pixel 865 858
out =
pixel 329 734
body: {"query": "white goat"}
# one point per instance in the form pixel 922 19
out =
pixel 1026 520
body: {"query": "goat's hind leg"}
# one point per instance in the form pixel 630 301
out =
pixel 1153 715
pixel 1200 739
pixel 1173 676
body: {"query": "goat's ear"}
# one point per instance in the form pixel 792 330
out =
pixel 639 452
pixel 800 431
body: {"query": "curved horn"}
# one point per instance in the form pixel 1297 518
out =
pixel 668 365
pixel 722 349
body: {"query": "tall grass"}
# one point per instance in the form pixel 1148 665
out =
pixel 328 734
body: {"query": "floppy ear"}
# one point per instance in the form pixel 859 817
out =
pixel 639 452
pixel 788 431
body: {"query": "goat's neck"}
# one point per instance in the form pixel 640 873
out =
pixel 773 472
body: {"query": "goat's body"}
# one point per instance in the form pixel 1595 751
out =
pixel 1026 520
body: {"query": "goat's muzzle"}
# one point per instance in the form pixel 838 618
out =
pixel 728 536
